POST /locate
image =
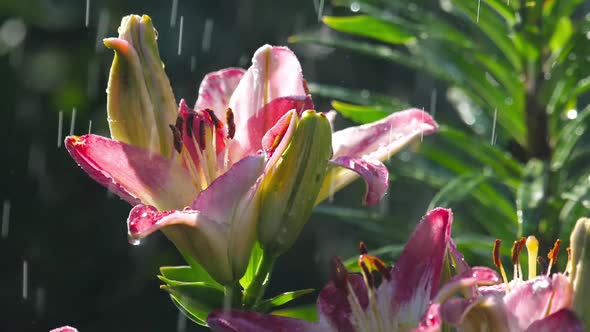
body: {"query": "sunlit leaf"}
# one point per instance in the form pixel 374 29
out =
pixel 358 113
pixel 457 189
pixel 531 196
pixel 568 137
pixel 281 299
pixel 367 26
pixel 255 259
pixel 307 312
pixel 386 103
pixel 196 300
pixel 563 31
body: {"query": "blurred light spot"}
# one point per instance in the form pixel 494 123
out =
pixel 446 5
pixel 572 114
pixel 12 34
pixel 355 7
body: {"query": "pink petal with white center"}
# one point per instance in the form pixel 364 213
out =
pixel 373 171
pixel 278 137
pixel 247 321
pixel 416 274
pixel 250 132
pixel 133 173
pixel 563 293
pixel 216 89
pixel 275 73
pixel 563 321
pixel 476 276
pixel 529 301
pixel 334 306
pixel 64 329
pixel 383 138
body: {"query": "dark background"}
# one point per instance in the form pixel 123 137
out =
pixel 68 232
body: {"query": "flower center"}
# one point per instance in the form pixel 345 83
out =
pixel 201 141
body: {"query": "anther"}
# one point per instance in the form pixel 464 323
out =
pixel 214 118
pixel 382 269
pixel 363 248
pixel 498 262
pixel 568 266
pixel 553 254
pixel 517 247
pixel 231 126
pixel 532 247
pixel 189 125
pixel 367 275
pixel 202 133
pixel 339 274
pixel 177 138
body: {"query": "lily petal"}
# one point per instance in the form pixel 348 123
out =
pixel 476 276
pixel 275 73
pixel 416 275
pixel 373 171
pixel 564 321
pixel 432 321
pixel 374 141
pixel 216 89
pixel 333 303
pixel 529 301
pixel 248 321
pixel 381 139
pixel 250 132
pixel 64 329
pixel 133 173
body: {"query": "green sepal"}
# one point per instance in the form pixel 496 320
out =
pixel 195 299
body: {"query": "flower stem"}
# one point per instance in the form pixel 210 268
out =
pixel 233 296
pixel 255 291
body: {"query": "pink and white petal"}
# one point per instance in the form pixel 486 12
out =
pixel 431 321
pixel 416 274
pixel 250 132
pixel 562 293
pixel 275 73
pixel 192 233
pixel 334 306
pixel 476 276
pixel 278 137
pixel 383 138
pixel 64 329
pixel 248 321
pixel 373 172
pixel 216 90
pixel 483 313
pixel 135 174
pixel 563 320
pixel 529 301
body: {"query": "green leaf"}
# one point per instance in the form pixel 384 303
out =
pixel 368 26
pixel 255 259
pixel 307 312
pixel 281 299
pixel 457 189
pixel 530 197
pixel 196 300
pixel 182 273
pixel 358 113
pixel 577 203
pixel 568 137
pixel 363 97
pixel 563 31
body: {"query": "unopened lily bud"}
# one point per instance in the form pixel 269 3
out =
pixel 140 103
pixel 580 273
pixel 293 177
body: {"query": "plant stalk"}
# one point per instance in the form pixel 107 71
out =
pixel 255 291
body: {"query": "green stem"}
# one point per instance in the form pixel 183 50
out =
pixel 233 296
pixel 255 291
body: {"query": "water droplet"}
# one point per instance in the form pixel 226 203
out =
pixel 572 114
pixel 134 241
pixel 508 101
pixel 355 7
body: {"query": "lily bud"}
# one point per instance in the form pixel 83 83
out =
pixel 580 269
pixel 299 151
pixel 140 103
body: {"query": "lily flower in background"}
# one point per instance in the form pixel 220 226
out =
pixel 64 329
pixel 198 179
pixel 353 302
pixel 541 303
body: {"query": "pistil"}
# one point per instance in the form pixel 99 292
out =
pixel 532 247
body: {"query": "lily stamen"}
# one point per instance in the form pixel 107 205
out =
pixel 568 266
pixel 553 254
pixel 532 247
pixel 498 262
pixel 517 247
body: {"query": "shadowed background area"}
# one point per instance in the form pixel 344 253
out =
pixel 64 254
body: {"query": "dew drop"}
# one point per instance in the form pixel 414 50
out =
pixel 134 241
pixel 355 7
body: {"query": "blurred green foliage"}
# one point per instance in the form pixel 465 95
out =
pixel 517 74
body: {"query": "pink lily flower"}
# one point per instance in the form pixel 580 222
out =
pixel 353 302
pixel 203 195
pixel 64 329
pixel 541 303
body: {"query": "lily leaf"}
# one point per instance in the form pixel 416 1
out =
pixel 362 97
pixel 368 26
pixel 281 299
pixel 255 259
pixel 358 113
pixel 568 138
pixel 457 189
pixel 307 312
pixel 196 300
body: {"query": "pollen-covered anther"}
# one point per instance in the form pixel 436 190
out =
pixel 231 126
pixel 498 262
pixel 218 124
pixel 177 138
pixel 339 274
pixel 515 257
pixel 368 263
pixel 568 266
pixel 553 254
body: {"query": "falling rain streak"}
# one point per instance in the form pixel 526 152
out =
pixel 181 322
pixel 60 123
pixel 319 8
pixel 5 218
pixel 493 139
pixel 73 121
pixel 173 13
pixel 180 35
pixel 87 20
pixel 422 127
pixel 25 292
pixel 206 43
pixel 433 96
pixel 193 63
pixel 102 28
pixel 478 6
pixel 89 126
